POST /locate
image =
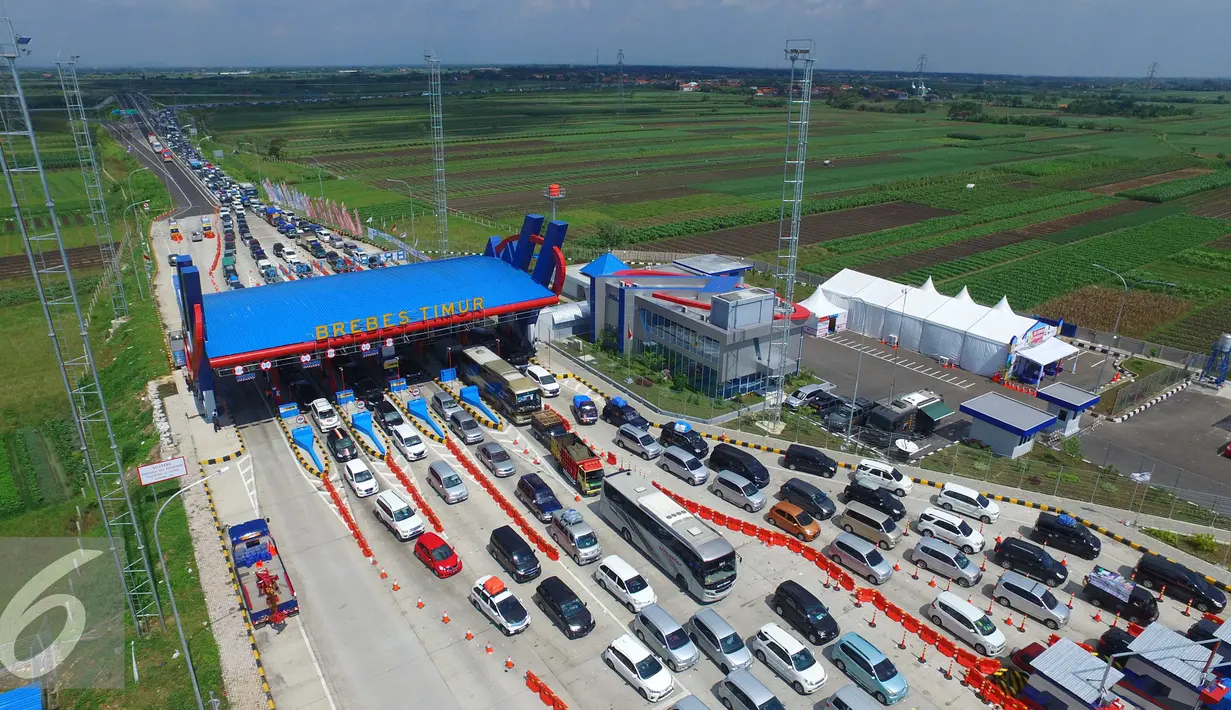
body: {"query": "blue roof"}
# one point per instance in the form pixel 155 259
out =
pixel 29 697
pixel 1065 395
pixel 605 264
pixel 1008 414
pixel 290 312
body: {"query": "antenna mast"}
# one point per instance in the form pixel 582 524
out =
pixel 1150 76
pixel 620 71
pixel 438 152
pixel 798 110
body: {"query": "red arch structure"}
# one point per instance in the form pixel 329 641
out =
pixel 557 284
pixel 798 312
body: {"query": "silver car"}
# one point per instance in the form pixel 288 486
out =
pixel 466 427
pixel 1019 592
pixel 655 628
pixel 495 459
pixel 638 441
pixel 860 556
pixel 738 490
pixel 719 641
pixel 445 481
pixel 444 404
pixel 937 556
pixel 682 464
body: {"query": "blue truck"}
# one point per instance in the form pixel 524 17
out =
pixel 268 594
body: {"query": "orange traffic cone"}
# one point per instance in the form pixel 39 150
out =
pixel 508 663
pixel 1161 592
pixel 445 619
pixel 489 648
pixel 420 604
pixel 989 606
pixel 1098 616
pixel 1009 619
pixel 383 573
pixel 932 581
pixel 923 655
pixel 1022 627
pixel 395 585
pixel 469 636
pixel 897 567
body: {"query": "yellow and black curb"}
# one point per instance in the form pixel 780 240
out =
pixel 479 416
pixel 303 461
pixel 229 457
pixel 239 599
pixel 363 444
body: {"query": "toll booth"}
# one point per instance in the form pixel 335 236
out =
pixel 1067 403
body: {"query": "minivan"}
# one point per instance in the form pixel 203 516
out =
pixel 959 617
pixel 444 405
pixel 396 514
pixel 803 611
pixel 682 434
pixel 968 501
pixel 1030 560
pixel 808 460
pixel 1030 597
pixel 885 476
pixel 871 669
pixel 663 635
pixel 684 465
pixel 934 522
pixel 859 556
pixel 1064 532
pixel 625 583
pixel 871 524
pixel 466 427
pixel 444 480
pixel 932 555
pixel 562 605
pixel 713 635
pixel 850 697
pixel 514 555
pixel 792 519
pixel 742 690
pixel 808 497
pixel 637 441
pixel 726 457
pixel 737 490
pixel 1155 571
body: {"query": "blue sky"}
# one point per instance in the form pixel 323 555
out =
pixel 1058 37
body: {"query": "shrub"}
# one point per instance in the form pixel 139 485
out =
pixel 1202 542
pixel 1167 536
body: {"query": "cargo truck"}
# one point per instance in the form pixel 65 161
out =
pixel 574 457
pixel 268 594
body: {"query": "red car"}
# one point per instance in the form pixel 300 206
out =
pixel 437 555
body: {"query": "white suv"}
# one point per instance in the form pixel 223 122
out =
pixel 408 442
pixel 397 515
pixel 935 522
pixel 545 381
pixel 882 475
pixel 789 658
pixel 968 501
pixel 639 668
pixel 326 417
pixel 360 479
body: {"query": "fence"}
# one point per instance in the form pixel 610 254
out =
pixel 1181 358
pixel 1139 390
pixel 628 256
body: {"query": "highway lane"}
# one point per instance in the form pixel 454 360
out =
pixel 188 195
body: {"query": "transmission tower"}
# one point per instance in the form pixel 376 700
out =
pixel 918 85
pixel 70 338
pixel 80 127
pixel 620 71
pixel 798 109
pixel 438 152
pixel 1150 76
pixel 598 83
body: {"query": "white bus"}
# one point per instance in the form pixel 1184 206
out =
pixel 697 557
pixel 514 394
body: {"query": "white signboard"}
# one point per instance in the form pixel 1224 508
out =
pixel 162 471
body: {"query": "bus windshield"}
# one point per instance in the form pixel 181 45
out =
pixel 718 571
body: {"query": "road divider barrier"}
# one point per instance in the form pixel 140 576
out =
pixel 346 516
pixel 420 501
pixel 538 687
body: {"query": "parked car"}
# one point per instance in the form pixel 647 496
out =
pixel 859 556
pixel 934 522
pixel 666 637
pixel 466 427
pixel 566 610
pixel 1064 532
pixel 883 475
pixel 793 520
pixel 546 381
pixel 1032 598
pixel 397 515
pixel 438 555
pixel 967 501
pixel 341 445
pixel 1155 572
pixel 791 660
pixel 682 434
pixel 742 690
pixel 737 490
pixel 726 457
pixel 495 459
pixel 360 479
pixel 637 441
pixel 718 640
pixel 624 583
pixel 809 460
pixel 444 480
pixel 803 611
pixel 513 554
pixel 866 665
pixel 1031 560
pixel 684 465
pixel 618 412
pixel 325 415
pixel 537 496
pixel 940 557
pixel 808 394
pixel 967 622
pixel 874 497
pixel 808 497
pixel 639 668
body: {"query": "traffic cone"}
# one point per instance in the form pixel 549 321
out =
pixel 932 581
pixel 897 567
pixel 923 655
pixel 1098 616
pixel 1186 606
pixel 872 623
pixel 1065 561
pixel 1022 627
pixel 1161 592
pixel 515 441
pixel 948 585
pixel 997 539
pixel 420 604
pixel 949 670
pixel 1009 619
pixel 489 648
pixel 915 574
pixel 989 606
pixel 445 619
pixel 902 643
pixel 1115 623
pixel 383 573
pixel 970 599
pixel 526 451
pixel 373 560
pixel 508 663
pixel 1070 604
pixel 983 565
pixel 469 636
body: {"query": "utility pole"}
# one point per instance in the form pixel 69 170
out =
pixel 798 110
pixel 620 71
pixel 1150 76
pixel 438 152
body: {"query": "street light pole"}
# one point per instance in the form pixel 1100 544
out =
pixel 1116 327
pixel 162 560
pixel 319 180
pixel 133 248
pixel 413 239
pixel 255 151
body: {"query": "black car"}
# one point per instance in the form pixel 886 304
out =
pixel 1030 560
pixel 825 404
pixel 1064 532
pixel 562 605
pixel 386 415
pixel 809 460
pixel 726 457
pixel 341 445
pixel 808 497
pixel 878 498
pixel 278 248
pixel 1156 572
pixel 618 412
pixel 1108 590
pixel 802 610
pixel 514 555
pixel 1115 640
pixel 681 434
pixel 538 496
pixel 368 390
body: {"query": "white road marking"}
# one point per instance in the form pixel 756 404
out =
pixel 317 666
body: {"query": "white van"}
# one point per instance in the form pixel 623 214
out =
pixel 407 441
pixel 883 475
pixel 397 515
pixel 962 619
pixel 625 583
pixel 967 501
pixel 289 255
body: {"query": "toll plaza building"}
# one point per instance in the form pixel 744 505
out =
pixel 698 316
pixel 251 334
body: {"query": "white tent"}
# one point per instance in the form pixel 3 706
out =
pixel 842 286
pixel 869 306
pixel 944 333
pixel 907 317
pixel 1047 352
pixel 986 346
pixel 829 318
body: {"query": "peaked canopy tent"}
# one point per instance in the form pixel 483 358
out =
pixel 869 306
pixel 840 288
pixel 986 346
pixel 944 333
pixel 829 318
pixel 908 315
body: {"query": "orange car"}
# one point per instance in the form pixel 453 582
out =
pixel 794 520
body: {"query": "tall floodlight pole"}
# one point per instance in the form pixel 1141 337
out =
pixel 438 152
pixel 80 128
pixel 620 73
pixel 409 196
pixel 798 109
pixel 70 336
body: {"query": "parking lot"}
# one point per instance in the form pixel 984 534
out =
pixel 370 639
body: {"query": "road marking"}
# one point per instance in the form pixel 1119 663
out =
pixel 1100 362
pixel 317 666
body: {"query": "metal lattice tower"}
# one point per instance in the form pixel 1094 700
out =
pixel 1150 76
pixel 620 72
pixel 438 152
pixel 28 189
pixel 918 85
pixel 80 127
pixel 798 110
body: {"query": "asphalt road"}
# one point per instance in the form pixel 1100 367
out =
pixel 188 195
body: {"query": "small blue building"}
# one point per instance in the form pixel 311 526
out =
pixel 1067 403
pixel 1004 424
